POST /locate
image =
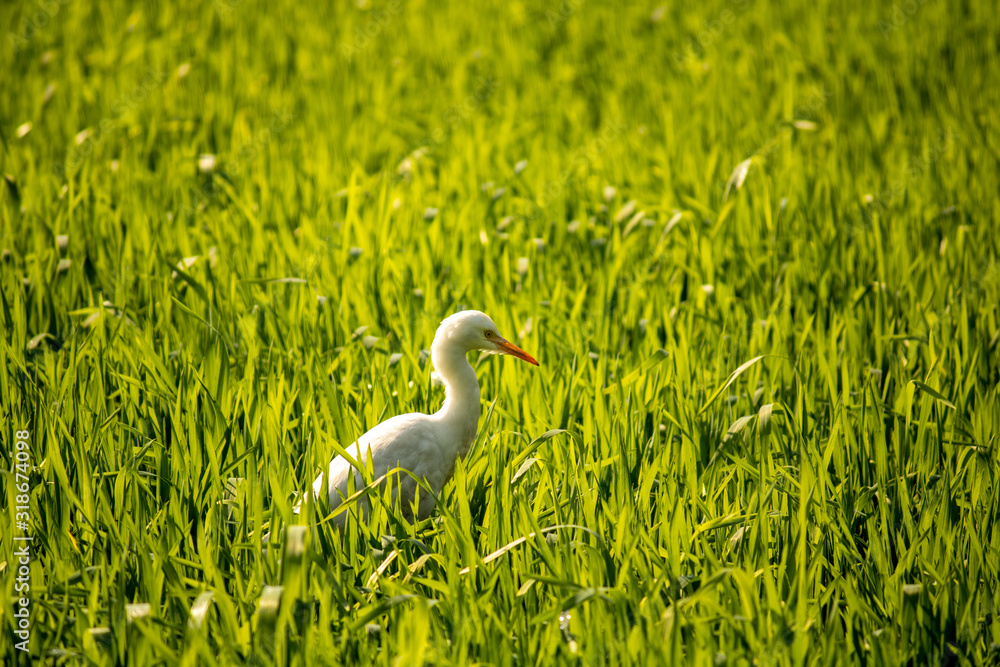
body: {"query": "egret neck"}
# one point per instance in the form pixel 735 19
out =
pixel 460 412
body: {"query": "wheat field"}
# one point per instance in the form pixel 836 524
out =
pixel 753 245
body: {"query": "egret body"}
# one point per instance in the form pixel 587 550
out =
pixel 426 445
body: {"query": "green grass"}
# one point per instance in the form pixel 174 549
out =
pixel 631 501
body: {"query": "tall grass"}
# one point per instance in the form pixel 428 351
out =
pixel 764 427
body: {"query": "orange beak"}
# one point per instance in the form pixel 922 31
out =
pixel 506 347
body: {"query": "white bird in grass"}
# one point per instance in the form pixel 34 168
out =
pixel 426 445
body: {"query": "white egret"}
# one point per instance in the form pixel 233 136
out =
pixel 426 445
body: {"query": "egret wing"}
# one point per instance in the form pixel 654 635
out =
pixel 406 441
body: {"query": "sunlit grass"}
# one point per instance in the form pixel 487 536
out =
pixel 752 245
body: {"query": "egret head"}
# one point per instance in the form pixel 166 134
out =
pixel 472 330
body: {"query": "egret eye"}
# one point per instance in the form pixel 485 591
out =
pixel 489 334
